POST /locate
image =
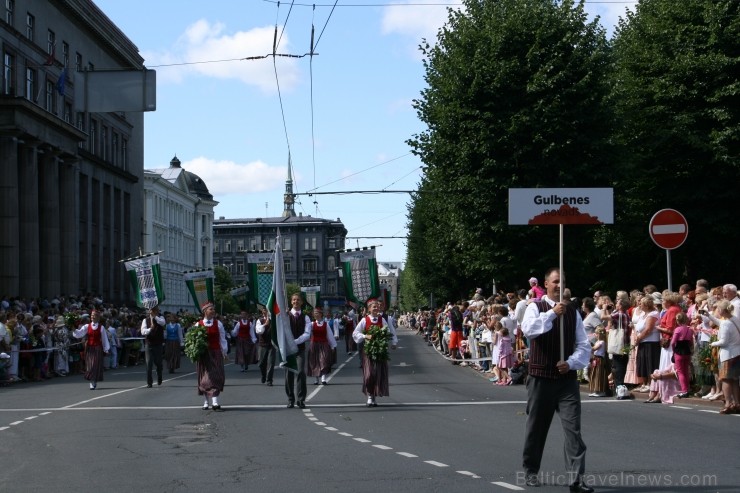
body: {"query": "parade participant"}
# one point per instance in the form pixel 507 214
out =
pixel 61 344
pixel 374 372
pixel 173 341
pixel 96 346
pixel 210 368
pixel 300 326
pixel 266 349
pixel 552 384
pixel 320 348
pixel 152 328
pixel 350 345
pixel 246 338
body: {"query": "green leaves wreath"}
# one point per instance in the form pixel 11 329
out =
pixel 376 348
pixel 196 343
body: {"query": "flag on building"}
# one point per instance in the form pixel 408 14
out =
pixel 360 275
pixel 282 336
pixel 62 82
pixel 145 279
pixel 200 285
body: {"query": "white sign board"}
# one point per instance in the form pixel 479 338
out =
pixel 547 206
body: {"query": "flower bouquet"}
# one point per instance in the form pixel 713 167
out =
pixel 376 348
pixel 71 320
pixel 196 343
pixel 708 357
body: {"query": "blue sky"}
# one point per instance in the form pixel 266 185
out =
pixel 345 115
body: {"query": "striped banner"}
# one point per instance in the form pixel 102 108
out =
pixel 200 285
pixel 360 274
pixel 145 279
pixel 259 275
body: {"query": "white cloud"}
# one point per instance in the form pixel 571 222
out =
pixel 415 22
pixel 228 177
pixel 201 47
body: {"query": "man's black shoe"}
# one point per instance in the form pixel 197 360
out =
pixel 301 404
pixel 290 405
pixel 532 480
pixel 580 488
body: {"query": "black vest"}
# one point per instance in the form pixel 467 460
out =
pixel 544 350
pixel 298 327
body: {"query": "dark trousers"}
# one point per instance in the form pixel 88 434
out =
pixel 545 397
pixel 295 383
pixel 153 354
pixel 619 368
pixel 267 362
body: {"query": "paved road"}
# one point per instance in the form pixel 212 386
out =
pixel 444 428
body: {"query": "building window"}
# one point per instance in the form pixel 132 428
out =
pixel 216 245
pixel 287 244
pixel 124 154
pixel 30 83
pixel 51 45
pixel 240 267
pixel 332 242
pixel 65 53
pixel 78 62
pixel 114 149
pixel 227 246
pixel 30 25
pixel 68 112
pixel 239 245
pixel 93 138
pixel 49 103
pixel 8 65
pixel 9 10
pixel 287 264
pixel 309 243
pixel 332 286
pixel 309 265
pixel 253 244
pixel 331 263
pixel 104 142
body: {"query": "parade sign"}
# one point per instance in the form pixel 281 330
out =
pixel 360 274
pixel 200 286
pixel 547 206
pixel 145 279
pixel 669 229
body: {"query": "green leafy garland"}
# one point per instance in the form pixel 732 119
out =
pixel 709 357
pixel 196 343
pixel 376 348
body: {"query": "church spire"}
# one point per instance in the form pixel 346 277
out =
pixel 289 198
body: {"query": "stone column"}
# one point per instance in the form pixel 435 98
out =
pixel 28 231
pixel 9 207
pixel 50 232
pixel 68 227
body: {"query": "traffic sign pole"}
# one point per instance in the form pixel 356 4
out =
pixel 668 230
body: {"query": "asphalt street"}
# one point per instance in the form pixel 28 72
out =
pixel 443 428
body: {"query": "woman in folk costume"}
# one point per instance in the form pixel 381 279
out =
pixel 173 341
pixel 96 346
pixel 210 368
pixel 246 338
pixel 321 346
pixel 374 371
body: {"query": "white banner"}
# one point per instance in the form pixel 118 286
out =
pixel 260 257
pixel 544 206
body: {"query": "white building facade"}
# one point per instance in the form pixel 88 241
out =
pixel 178 222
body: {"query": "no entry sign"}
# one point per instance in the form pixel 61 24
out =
pixel 668 229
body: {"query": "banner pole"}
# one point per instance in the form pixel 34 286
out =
pixel 668 266
pixel 562 282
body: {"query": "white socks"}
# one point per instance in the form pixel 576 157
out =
pixel 214 399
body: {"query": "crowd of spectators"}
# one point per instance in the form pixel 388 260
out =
pixel 667 345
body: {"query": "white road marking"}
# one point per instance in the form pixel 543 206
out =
pixel 320 423
pixel 435 463
pixel 362 440
pixel 331 428
pixel 383 447
pixel 345 434
pixel 468 473
pixel 507 485
pixel 407 454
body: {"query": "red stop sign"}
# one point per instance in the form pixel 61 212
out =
pixel 668 229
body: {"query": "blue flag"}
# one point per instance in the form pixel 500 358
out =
pixel 61 82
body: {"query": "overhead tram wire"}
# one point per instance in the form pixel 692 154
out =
pixel 427 4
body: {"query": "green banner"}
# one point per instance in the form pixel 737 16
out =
pixel 145 279
pixel 360 274
pixel 200 285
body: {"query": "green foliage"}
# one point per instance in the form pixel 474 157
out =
pixel 196 343
pixel 376 347
pixel 530 94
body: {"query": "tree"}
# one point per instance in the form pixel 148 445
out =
pixel 516 98
pixel 677 97
pixel 222 284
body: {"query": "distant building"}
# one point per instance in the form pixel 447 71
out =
pixel 389 275
pixel 309 245
pixel 70 182
pixel 178 221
